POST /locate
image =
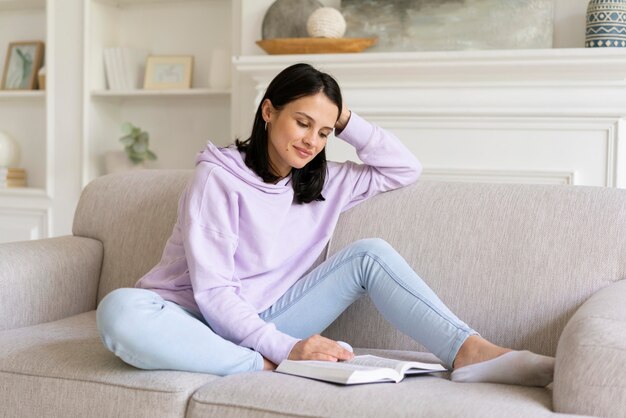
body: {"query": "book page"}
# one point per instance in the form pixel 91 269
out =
pixel 338 372
pixel 344 365
pixel 398 365
pixel 374 361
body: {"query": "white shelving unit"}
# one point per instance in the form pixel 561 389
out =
pixel 179 121
pixel 25 115
pixel 64 131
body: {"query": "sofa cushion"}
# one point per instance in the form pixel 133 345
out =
pixel 132 214
pixel 267 394
pixel 513 261
pixel 61 368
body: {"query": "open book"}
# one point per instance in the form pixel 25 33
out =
pixel 361 369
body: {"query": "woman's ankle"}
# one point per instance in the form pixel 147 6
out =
pixel 476 349
pixel 268 365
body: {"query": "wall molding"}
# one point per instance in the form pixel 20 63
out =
pixel 558 93
pixel 24 223
pixel 610 127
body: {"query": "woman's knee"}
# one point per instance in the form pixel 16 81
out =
pixel 372 246
pixel 119 309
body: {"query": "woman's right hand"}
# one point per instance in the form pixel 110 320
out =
pixel 317 347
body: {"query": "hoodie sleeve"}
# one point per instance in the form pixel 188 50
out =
pixel 387 163
pixel 210 232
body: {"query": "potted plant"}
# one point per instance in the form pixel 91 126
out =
pixel 136 150
pixel 136 144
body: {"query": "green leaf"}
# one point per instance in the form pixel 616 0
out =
pixel 127 128
pixel 127 140
pixel 151 155
pixel 143 137
pixel 140 147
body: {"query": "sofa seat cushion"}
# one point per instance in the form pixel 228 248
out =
pixel 267 394
pixel 64 363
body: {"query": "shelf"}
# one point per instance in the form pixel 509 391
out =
pixel 24 94
pixel 23 192
pixel 123 3
pixel 558 66
pixel 22 4
pixel 200 92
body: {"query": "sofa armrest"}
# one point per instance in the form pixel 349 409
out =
pixel 49 279
pixel 590 373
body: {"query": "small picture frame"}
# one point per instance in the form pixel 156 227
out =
pixel 168 72
pixel 24 59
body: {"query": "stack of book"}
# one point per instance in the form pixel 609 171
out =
pixel 12 177
pixel 124 67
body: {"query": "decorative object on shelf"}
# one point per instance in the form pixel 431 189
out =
pixel 41 76
pixel 136 152
pixel 136 143
pixel 326 22
pixel 288 18
pixel 168 72
pixel 606 24
pixel 219 73
pixel 124 67
pixel 315 45
pixel 427 25
pixel 9 151
pixel 11 177
pixel 22 63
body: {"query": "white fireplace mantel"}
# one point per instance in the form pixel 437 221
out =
pixel 480 115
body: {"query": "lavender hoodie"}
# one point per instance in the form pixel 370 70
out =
pixel 239 244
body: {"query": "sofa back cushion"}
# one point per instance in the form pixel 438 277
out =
pixel 513 261
pixel 133 215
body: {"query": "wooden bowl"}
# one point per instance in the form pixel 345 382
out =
pixel 280 46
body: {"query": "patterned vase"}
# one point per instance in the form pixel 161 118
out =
pixel 606 24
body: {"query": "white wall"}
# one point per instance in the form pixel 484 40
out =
pixel 569 23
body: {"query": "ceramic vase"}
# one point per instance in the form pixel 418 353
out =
pixel 606 24
pixel 9 151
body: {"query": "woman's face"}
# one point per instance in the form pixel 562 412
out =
pixel 298 132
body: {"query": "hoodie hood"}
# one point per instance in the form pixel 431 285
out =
pixel 233 161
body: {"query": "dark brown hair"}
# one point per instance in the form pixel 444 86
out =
pixel 290 84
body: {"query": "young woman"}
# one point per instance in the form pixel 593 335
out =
pixel 233 291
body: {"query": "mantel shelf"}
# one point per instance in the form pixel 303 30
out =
pixel 199 92
pixel 567 65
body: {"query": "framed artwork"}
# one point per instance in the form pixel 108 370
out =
pixel 168 72
pixel 444 25
pixel 24 59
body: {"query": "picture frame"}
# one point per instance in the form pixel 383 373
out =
pixel 23 61
pixel 166 72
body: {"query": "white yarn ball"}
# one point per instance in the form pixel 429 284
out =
pixel 9 151
pixel 326 22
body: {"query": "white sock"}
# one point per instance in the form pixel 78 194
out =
pixel 513 368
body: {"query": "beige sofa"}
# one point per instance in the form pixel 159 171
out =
pixel 528 266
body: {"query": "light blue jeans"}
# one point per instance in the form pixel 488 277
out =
pixel 146 331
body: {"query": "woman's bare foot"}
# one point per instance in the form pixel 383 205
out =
pixel 476 349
